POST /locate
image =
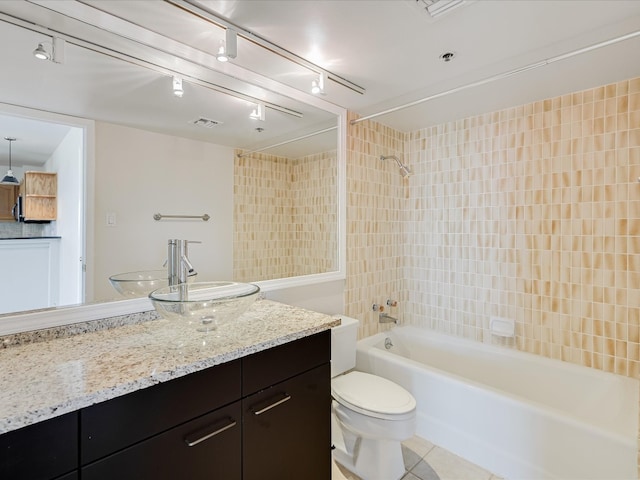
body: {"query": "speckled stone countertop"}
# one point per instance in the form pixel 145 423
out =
pixel 44 379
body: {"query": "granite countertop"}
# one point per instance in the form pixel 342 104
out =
pixel 52 377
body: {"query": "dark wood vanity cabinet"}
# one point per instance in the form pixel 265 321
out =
pixel 286 411
pixel 286 431
pixel 265 416
pixel 44 450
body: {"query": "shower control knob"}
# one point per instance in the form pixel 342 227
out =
pixel 377 308
pixel 392 303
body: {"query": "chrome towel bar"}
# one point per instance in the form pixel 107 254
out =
pixel 158 216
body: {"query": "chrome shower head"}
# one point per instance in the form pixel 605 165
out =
pixel 405 171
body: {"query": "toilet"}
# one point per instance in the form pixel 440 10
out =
pixel 370 415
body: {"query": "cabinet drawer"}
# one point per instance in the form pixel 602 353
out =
pixel 213 453
pixel 268 367
pixel 70 476
pixel 113 425
pixel 43 450
pixel 287 429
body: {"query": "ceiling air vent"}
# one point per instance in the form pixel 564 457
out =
pixel 439 8
pixel 205 122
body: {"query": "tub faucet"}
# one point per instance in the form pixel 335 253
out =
pixel 179 268
pixel 386 318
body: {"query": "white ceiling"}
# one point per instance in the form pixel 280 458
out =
pixel 391 48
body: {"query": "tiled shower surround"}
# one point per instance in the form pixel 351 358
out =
pixel 284 213
pixel 530 213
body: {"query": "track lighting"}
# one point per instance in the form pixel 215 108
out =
pixel 228 47
pixel 258 113
pixel 53 51
pixel 40 53
pixel 9 178
pixel 317 86
pixel 177 87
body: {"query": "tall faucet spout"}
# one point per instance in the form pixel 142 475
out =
pixel 386 318
pixel 179 268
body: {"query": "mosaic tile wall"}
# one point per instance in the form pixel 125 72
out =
pixel 376 205
pixel 262 218
pixel 314 240
pixel 284 216
pixel 533 214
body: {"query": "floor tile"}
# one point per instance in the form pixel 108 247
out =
pixel 410 476
pixel 424 471
pixel 451 467
pixel 425 461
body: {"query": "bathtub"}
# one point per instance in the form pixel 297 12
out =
pixel 520 416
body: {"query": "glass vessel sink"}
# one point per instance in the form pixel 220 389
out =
pixel 207 305
pixel 139 284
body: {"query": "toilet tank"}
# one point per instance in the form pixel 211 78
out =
pixel 343 345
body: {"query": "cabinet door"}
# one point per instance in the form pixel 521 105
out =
pixel 8 195
pixel 70 476
pixel 205 448
pixel 39 190
pixel 40 451
pixel 287 429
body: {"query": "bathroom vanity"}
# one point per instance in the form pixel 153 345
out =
pixel 254 407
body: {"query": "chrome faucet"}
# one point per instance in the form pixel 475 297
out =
pixel 179 268
pixel 386 318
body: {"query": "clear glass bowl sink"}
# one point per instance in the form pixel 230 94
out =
pixel 207 305
pixel 139 284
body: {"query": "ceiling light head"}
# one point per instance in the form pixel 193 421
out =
pixel 177 87
pixel 53 51
pixel 9 178
pixel 41 53
pixel 258 113
pixel 228 48
pixel 317 85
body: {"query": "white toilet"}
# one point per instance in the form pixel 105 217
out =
pixel 371 415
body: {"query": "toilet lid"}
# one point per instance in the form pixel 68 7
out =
pixel 372 393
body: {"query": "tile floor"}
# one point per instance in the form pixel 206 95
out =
pixel 425 461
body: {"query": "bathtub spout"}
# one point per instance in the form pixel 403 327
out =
pixel 386 318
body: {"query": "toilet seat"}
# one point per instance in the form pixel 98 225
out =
pixel 373 396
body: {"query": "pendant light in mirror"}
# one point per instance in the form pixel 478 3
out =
pixel 9 178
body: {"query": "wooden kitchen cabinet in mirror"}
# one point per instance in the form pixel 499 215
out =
pixel 8 195
pixel 39 192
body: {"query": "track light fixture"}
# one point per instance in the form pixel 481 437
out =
pixel 317 86
pixel 258 113
pixel 228 47
pixel 177 87
pixel 41 53
pixel 9 178
pixel 53 51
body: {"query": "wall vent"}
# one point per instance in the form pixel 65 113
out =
pixel 205 122
pixel 438 8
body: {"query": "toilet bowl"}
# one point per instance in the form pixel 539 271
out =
pixel 371 415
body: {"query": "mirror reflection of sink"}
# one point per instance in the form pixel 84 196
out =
pixel 207 305
pixel 139 284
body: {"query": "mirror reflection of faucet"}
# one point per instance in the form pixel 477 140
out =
pixel 179 267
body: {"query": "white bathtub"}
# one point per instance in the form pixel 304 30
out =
pixel 518 415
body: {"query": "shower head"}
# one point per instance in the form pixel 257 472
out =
pixel 405 171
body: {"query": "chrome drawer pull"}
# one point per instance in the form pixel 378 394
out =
pixel 286 398
pixel 200 436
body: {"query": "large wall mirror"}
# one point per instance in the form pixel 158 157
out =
pixel 101 112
